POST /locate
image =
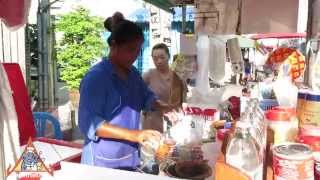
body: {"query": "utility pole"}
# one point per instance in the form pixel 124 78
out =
pixel 45 64
pixel 42 24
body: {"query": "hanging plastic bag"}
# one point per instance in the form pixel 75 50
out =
pixel 217 59
pixel 315 73
pixel 235 55
pixel 203 53
pixel 285 91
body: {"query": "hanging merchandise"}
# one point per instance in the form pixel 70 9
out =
pixel 315 76
pixel 285 91
pixel 259 59
pixel 288 61
pixel 217 59
pixel 289 65
pixel 202 96
pixel 235 55
pixel 203 52
pixel 178 66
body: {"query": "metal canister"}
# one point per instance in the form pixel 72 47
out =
pixel 302 94
pixel 309 109
pixel 293 161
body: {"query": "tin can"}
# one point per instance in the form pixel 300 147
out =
pixel 293 161
pixel 308 110
pixel 302 94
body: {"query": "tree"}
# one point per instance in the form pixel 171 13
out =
pixel 81 43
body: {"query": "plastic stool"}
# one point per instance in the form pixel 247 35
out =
pixel 40 120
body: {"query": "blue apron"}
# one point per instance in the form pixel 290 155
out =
pixel 116 153
pixel 106 97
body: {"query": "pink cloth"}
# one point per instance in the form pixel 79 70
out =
pixel 14 12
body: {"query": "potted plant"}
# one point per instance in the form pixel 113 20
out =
pixel 79 44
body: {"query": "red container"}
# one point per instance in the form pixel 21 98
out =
pixel 312 141
pixel 277 115
pixel 290 110
pixel 310 130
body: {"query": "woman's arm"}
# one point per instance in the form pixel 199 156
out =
pixel 115 132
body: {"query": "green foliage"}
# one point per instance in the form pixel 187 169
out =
pixel 81 43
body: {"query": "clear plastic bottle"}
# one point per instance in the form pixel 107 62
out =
pixel 259 118
pixel 255 128
pixel 258 129
pixel 243 154
pixel 255 103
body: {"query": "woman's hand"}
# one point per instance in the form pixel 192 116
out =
pixel 148 136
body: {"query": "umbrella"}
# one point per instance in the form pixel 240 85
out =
pixel 290 61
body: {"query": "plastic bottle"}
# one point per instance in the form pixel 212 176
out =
pixel 254 127
pixel 243 154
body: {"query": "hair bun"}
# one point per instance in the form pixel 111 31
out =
pixel 112 21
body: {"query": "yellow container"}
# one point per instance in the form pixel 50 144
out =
pixel 308 109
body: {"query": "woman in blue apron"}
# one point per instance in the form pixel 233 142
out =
pixel 112 95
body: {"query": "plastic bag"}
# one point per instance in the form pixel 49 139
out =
pixel 285 91
pixel 203 52
pixel 188 130
pixel 235 55
pixel 315 74
pixel 217 59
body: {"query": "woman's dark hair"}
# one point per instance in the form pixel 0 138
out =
pixel 125 31
pixel 114 19
pixel 161 46
pixel 122 30
pixel 107 23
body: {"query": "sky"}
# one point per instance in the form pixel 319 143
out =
pixel 102 8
